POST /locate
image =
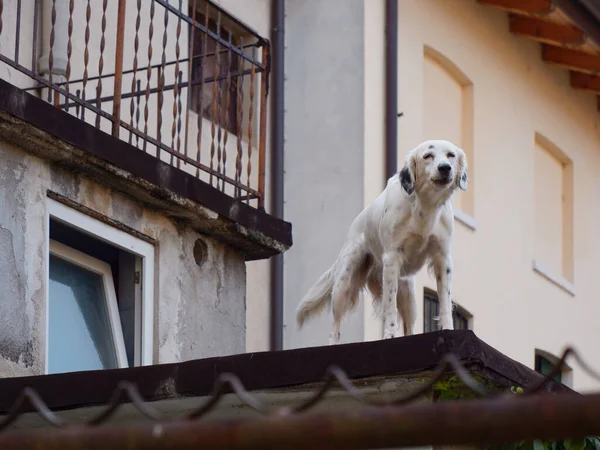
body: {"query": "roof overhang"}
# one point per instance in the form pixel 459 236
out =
pixel 568 31
pixel 378 369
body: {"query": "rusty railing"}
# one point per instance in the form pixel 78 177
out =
pixel 181 80
pixel 493 418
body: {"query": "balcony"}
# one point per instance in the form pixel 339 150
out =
pixel 181 84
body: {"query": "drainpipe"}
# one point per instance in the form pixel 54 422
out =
pixel 59 49
pixel 391 89
pixel 277 148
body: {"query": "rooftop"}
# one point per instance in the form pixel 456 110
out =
pixel 378 369
pixel 568 32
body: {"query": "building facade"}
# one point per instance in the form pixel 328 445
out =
pixel 124 228
pixel 524 245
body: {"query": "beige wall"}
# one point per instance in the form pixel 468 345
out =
pixel 509 105
pixel 374 160
pixel 515 96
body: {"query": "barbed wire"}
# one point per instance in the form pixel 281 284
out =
pixel 229 383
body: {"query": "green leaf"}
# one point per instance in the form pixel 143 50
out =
pixel 448 395
pixel 537 445
pixel 442 385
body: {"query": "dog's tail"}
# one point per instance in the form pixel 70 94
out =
pixel 317 298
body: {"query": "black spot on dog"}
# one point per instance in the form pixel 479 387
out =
pixel 392 324
pixel 431 147
pixel 406 180
pixel 448 271
pixel 385 211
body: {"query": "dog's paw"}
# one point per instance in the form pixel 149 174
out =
pixel 334 338
pixel 391 334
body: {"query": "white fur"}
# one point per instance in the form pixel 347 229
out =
pixel 409 225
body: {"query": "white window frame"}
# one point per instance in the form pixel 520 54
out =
pixel 144 324
pixel 103 269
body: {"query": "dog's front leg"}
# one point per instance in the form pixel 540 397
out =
pixel 391 273
pixel 443 274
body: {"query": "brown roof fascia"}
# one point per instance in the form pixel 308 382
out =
pixel 280 369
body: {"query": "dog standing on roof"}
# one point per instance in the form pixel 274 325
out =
pixel 408 225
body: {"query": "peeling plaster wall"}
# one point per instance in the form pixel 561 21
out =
pixel 199 310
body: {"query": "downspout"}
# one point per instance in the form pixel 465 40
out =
pixel 59 49
pixel 57 73
pixel 391 89
pixel 277 148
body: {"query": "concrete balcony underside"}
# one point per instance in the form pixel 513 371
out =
pixel 49 133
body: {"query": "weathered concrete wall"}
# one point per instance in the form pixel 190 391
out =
pixel 199 310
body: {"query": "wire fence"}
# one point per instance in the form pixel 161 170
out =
pixel 335 377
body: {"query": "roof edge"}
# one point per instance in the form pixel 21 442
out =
pixel 279 369
pixel 583 16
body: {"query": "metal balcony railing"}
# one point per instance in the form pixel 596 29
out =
pixel 184 81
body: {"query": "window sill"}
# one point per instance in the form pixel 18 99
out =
pixel 556 280
pixel 466 219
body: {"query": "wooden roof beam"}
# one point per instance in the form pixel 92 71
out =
pixel 585 82
pixel 571 59
pixel 527 7
pixel 546 32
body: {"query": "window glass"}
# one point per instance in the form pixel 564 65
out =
pixel 78 320
pixel 544 366
pixel 431 308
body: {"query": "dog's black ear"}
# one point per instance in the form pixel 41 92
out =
pixel 462 174
pixel 407 180
pixel 463 181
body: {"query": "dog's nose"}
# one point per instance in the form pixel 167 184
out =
pixel 444 168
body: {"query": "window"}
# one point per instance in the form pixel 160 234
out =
pixel 448 114
pixel 99 297
pixel 431 310
pixel 545 363
pixel 83 313
pixel 553 247
pixel 216 64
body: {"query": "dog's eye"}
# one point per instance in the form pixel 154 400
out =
pixel 451 155
pixel 428 156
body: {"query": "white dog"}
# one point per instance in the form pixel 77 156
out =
pixel 408 225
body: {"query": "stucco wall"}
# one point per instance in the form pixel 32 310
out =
pixel 515 96
pixel 199 310
pixel 324 72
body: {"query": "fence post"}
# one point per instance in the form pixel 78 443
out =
pixel 118 68
pixel 262 144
